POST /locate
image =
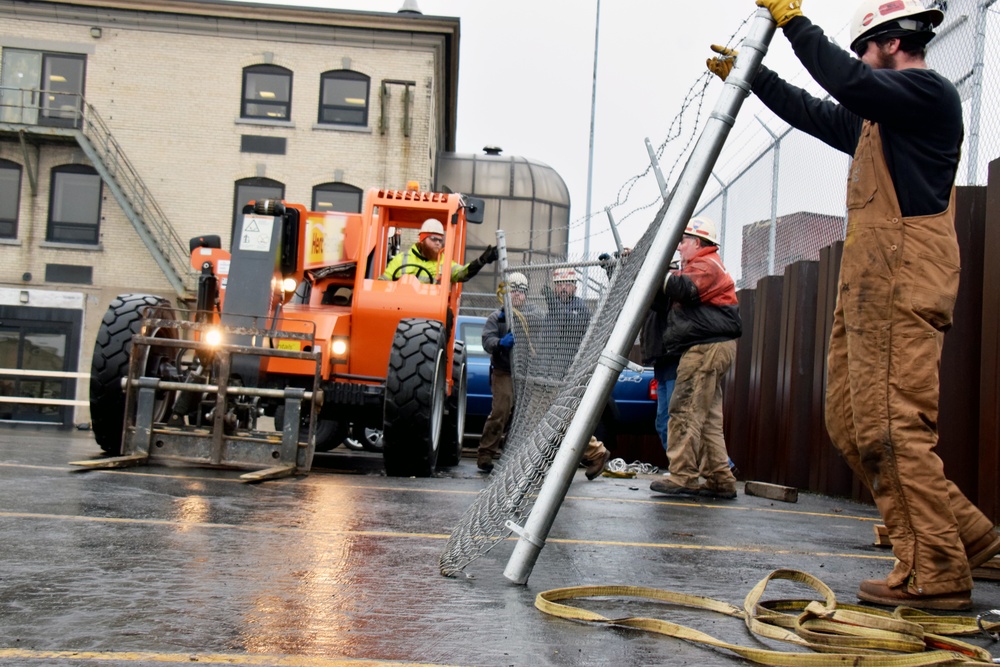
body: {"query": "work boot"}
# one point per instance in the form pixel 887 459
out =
pixel 596 467
pixel 983 549
pixel 877 592
pixel 724 493
pixel 485 463
pixel 668 488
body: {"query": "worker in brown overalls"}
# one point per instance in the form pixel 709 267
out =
pixel 902 122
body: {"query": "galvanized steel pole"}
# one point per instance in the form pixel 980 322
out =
pixel 590 154
pixel 674 216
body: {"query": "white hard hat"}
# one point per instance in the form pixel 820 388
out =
pixel 518 281
pixel 432 226
pixel 703 228
pixel 895 17
pixel 564 275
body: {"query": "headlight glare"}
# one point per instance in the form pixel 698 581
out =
pixel 338 348
pixel 213 337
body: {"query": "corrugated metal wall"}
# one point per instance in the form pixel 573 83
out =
pixel 775 430
pixel 775 426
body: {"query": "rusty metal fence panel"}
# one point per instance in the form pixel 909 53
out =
pixel 795 370
pixel 775 427
pixel 989 362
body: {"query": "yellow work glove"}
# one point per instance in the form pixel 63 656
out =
pixel 722 64
pixel 782 11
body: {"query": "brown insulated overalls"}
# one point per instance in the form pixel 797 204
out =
pixel 898 283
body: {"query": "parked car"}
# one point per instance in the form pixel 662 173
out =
pixel 632 410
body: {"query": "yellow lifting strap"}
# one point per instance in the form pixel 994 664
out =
pixel 841 634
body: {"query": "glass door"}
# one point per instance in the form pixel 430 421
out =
pixel 34 346
pixel 20 86
pixel 62 101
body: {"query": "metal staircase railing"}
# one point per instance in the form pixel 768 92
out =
pixel 82 121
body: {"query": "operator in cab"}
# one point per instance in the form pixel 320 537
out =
pixel 423 259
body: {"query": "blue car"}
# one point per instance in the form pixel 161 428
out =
pixel 631 411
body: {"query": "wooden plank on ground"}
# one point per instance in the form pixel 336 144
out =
pixel 785 494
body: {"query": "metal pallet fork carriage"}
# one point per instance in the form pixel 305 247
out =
pixel 225 435
pixel 560 429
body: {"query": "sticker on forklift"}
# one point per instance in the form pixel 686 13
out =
pixel 256 234
pixel 325 239
pixel 289 345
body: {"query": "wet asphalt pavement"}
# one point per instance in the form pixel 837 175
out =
pixel 170 566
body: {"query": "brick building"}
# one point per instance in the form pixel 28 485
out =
pixel 129 126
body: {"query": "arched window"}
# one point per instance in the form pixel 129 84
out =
pixel 337 197
pixel 267 92
pixel 343 97
pixel 74 205
pixel 253 189
pixel 10 198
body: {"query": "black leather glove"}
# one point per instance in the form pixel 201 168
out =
pixel 489 256
pixel 607 263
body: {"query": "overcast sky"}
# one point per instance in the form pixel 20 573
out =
pixel 526 73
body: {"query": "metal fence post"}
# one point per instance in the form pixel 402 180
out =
pixel 772 233
pixel 670 220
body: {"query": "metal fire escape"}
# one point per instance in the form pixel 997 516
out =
pixel 21 115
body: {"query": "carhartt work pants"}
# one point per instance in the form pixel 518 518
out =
pixel 502 387
pixel 898 283
pixel 695 443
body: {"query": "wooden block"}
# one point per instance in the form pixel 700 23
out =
pixel 882 536
pixel 785 494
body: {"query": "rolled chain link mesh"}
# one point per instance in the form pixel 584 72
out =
pixel 554 356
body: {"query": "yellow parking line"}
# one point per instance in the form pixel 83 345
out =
pixel 743 548
pixel 144 657
pixel 603 499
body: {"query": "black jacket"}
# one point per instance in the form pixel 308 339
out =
pixel 704 307
pixel 496 327
pixel 918 111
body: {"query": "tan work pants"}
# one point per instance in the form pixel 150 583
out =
pixel 898 283
pixel 502 388
pixel 695 443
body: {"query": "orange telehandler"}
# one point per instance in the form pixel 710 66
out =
pixel 293 323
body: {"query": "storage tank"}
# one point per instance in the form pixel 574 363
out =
pixel 525 198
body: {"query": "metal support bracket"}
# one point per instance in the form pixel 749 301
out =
pixel 656 169
pixel 524 534
pixel 32 168
pixel 614 230
pixel 618 363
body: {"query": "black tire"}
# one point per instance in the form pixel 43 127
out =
pixel 329 432
pixel 415 395
pixel 110 364
pixel 454 423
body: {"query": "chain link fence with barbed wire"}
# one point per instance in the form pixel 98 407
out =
pixel 779 198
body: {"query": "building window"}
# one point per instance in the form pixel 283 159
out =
pixel 344 98
pixel 69 273
pixel 10 198
pixel 39 88
pixel 254 189
pixel 74 205
pixel 267 92
pixel 337 197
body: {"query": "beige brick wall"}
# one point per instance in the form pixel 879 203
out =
pixel 171 98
